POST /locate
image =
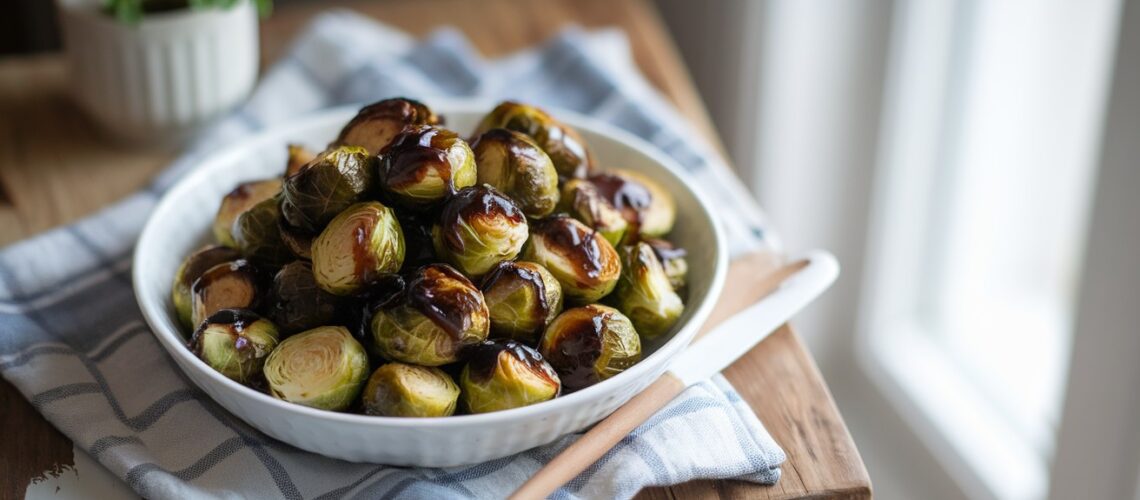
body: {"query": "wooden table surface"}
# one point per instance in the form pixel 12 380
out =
pixel 55 168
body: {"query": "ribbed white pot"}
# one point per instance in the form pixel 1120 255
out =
pixel 162 78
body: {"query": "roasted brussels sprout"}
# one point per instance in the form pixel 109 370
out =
pixel 258 237
pixel 326 186
pixel 586 345
pixel 322 368
pixel 424 165
pixel 522 297
pixel 419 248
pixel 512 163
pixel 439 313
pixel 235 342
pixel 673 260
pixel 583 262
pixel 298 156
pixel 565 147
pixel 644 293
pixel 230 285
pixel 358 246
pixel 504 375
pixel 191 269
pixel 403 390
pixel 644 203
pixel 478 228
pixel 298 304
pixel 582 200
pixel 241 199
pixel 376 124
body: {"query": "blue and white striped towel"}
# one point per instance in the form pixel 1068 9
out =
pixel 73 342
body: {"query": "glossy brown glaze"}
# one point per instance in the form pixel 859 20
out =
pixel 665 250
pixel 203 260
pixel 628 196
pixel 413 154
pixel 375 124
pixel 446 297
pixel 484 357
pixel 576 346
pixel 229 285
pixel 590 254
pixel 472 204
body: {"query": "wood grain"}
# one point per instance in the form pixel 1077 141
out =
pixel 55 167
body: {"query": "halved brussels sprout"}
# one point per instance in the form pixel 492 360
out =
pixel 403 390
pixel 257 234
pixel 376 124
pixel 326 186
pixel 643 202
pixel 644 293
pixel 321 368
pixel 235 342
pixel 522 297
pixel 358 246
pixel 504 375
pixel 478 228
pixel 512 163
pixel 583 262
pixel 242 198
pixel 424 165
pixel 439 313
pixel 298 304
pixel 565 147
pixel 582 200
pixel 229 285
pixel 673 260
pixel 586 345
pixel 191 269
pixel 298 156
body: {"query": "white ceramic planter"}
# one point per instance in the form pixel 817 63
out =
pixel 160 79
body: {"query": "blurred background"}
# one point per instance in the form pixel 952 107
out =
pixel 974 166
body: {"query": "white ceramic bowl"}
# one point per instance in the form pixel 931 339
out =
pixel 180 224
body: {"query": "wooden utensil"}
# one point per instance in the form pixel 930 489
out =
pixel 712 351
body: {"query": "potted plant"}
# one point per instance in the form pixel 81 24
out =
pixel 153 71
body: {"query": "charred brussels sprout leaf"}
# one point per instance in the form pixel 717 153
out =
pixel 258 235
pixel 583 262
pixel 424 165
pixel 586 345
pixel 512 163
pixel 522 297
pixel 241 199
pixel 235 342
pixel 504 375
pixel 377 124
pixel 230 285
pixel 403 390
pixel 321 368
pixel 644 293
pixel 582 200
pixel 439 313
pixel 298 304
pixel 478 228
pixel 191 269
pixel 565 147
pixel 644 203
pixel 326 186
pixel 359 246
pixel 298 156
pixel 673 260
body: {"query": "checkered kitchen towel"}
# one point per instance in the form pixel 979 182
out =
pixel 73 341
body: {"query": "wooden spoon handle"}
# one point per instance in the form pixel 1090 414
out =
pixel 599 440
